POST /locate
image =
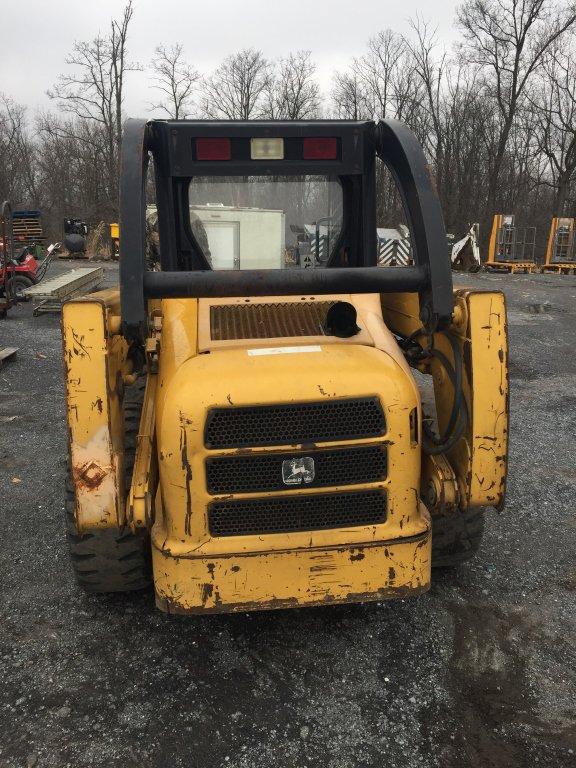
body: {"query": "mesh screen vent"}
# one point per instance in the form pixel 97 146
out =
pixel 288 424
pixel 266 472
pixel 297 513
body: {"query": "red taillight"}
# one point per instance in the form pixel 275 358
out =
pixel 213 149
pixel 320 149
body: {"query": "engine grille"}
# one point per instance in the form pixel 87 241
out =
pixel 264 472
pixel 296 513
pixel 268 321
pixel 287 424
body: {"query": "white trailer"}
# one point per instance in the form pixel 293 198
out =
pixel 243 238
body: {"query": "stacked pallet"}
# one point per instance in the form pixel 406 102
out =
pixel 27 229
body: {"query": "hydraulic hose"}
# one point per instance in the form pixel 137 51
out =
pixel 459 416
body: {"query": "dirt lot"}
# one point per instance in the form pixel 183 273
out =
pixel 481 671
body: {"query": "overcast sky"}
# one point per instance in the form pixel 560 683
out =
pixel 38 34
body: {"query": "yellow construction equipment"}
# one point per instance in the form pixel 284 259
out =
pixel 561 250
pixel 511 249
pixel 248 438
pixel 115 238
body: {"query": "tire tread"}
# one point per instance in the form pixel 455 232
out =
pixel 456 537
pixel 112 559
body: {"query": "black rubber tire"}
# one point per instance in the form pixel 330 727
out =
pixel 112 559
pixel 456 537
pixel 20 283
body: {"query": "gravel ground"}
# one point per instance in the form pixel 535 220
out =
pixel 481 671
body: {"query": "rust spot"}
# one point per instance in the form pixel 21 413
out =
pixel 207 590
pixel 89 475
pixel 391 574
pixel 235 568
pixel 358 556
pixel 98 404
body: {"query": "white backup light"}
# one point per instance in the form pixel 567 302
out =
pixel 267 149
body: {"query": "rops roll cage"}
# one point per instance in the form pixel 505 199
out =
pixel 352 266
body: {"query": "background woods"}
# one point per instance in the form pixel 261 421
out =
pixel 496 112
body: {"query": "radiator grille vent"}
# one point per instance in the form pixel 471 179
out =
pixel 296 513
pixel 289 424
pixel 265 472
pixel 268 321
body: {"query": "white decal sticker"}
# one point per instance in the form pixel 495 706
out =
pixel 283 350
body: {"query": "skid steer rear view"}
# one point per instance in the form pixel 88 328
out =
pixel 247 437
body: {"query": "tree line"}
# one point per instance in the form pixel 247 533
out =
pixel 495 112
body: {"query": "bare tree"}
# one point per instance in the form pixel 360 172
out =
pixel 378 71
pixel 508 39
pixel 381 83
pixel 18 180
pixel 293 93
pixel 349 97
pixel 553 105
pixel 237 89
pixel 431 70
pixel 94 90
pixel 466 130
pixel 175 79
pixel 70 157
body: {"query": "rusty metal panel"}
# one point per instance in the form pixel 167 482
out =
pixel 268 321
pixel 95 362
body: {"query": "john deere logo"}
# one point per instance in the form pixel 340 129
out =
pixel 298 471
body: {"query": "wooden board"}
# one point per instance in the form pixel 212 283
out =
pixel 7 353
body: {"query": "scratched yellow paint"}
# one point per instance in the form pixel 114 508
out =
pixel 364 562
pixel 195 571
pixel 292 577
pixel 232 377
pixel 480 458
pixel 93 362
pixel 484 342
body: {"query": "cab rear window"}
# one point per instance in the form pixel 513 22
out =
pixel 259 222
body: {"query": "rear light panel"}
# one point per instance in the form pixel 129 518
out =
pixel 213 149
pixel 268 148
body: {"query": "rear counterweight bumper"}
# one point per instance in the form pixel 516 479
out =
pixel 292 578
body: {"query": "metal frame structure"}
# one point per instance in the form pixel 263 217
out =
pixel 185 270
pixel 6 299
pixel 561 248
pixel 505 244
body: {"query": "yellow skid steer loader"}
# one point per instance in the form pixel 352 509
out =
pixel 248 434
